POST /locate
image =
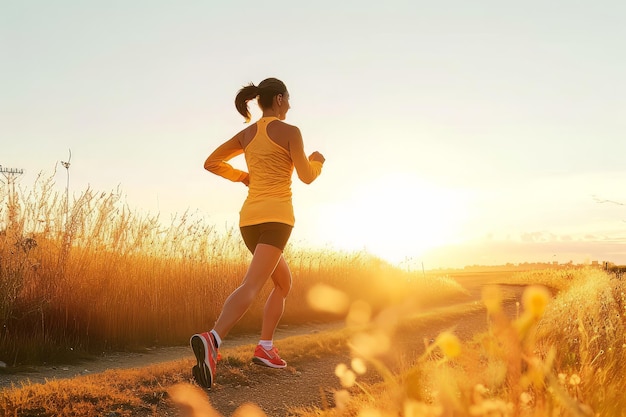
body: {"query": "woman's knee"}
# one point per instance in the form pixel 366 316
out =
pixel 284 287
pixel 282 282
pixel 282 278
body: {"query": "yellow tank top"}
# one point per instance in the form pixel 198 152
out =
pixel 270 168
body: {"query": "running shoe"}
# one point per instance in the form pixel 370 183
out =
pixel 268 357
pixel 203 346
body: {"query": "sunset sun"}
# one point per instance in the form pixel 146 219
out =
pixel 395 218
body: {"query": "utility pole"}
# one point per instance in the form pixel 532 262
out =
pixel 11 175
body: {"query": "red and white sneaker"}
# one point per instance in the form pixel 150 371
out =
pixel 268 357
pixel 203 346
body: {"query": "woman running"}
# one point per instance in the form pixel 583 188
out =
pixel 272 149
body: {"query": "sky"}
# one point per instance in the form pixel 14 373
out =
pixel 455 133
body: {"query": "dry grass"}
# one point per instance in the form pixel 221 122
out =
pixel 545 362
pixel 94 275
pixel 550 360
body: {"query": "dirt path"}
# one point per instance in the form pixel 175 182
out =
pixel 307 382
pixel 126 360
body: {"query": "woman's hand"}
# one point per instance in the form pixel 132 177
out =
pixel 316 156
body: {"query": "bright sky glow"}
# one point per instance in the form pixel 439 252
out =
pixel 455 132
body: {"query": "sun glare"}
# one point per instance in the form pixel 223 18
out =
pixel 396 219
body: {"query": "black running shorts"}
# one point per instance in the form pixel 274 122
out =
pixel 273 233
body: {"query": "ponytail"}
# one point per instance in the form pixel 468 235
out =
pixel 244 95
pixel 265 91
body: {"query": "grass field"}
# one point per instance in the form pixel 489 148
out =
pixel 97 276
pixel 563 354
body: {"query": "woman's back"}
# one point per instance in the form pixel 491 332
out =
pixel 270 168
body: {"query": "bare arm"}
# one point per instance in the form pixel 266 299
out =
pixel 307 168
pixel 217 162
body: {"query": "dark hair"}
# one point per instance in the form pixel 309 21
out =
pixel 265 91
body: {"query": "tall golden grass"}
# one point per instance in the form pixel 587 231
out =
pixel 92 274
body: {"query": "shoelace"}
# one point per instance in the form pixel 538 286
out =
pixel 273 353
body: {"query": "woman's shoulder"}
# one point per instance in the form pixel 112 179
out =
pixel 245 136
pixel 283 133
pixel 281 127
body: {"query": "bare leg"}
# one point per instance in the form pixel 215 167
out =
pixel 264 261
pixel 275 304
